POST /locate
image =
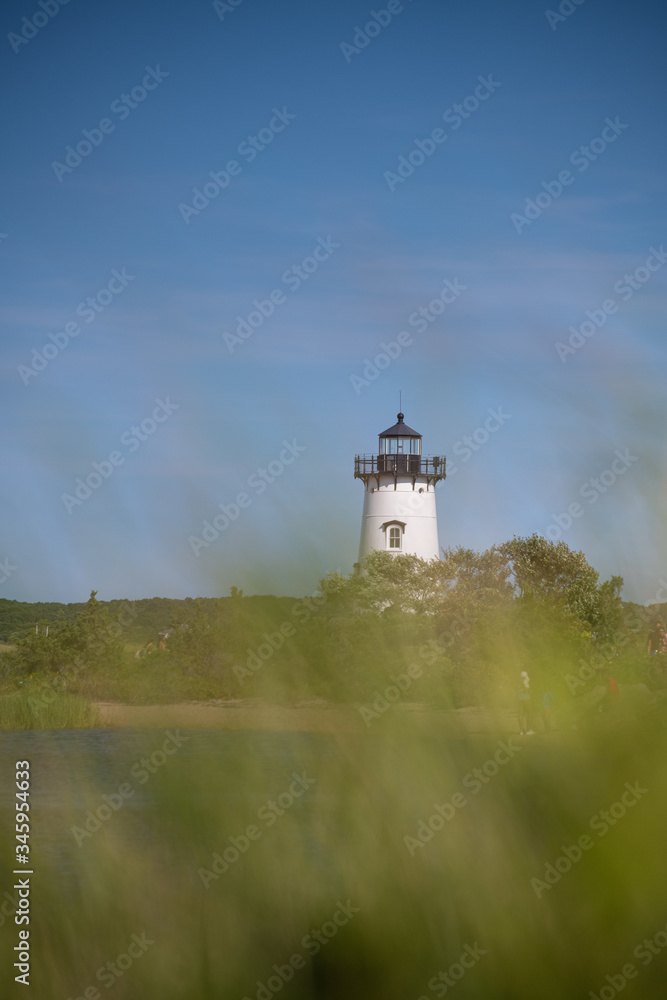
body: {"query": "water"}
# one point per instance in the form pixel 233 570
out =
pixel 71 771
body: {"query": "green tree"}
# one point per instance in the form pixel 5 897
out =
pixel 550 571
pixel 402 583
pixel 91 640
pixel 200 646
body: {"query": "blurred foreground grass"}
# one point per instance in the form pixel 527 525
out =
pixel 149 870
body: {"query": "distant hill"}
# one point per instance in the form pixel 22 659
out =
pixel 153 615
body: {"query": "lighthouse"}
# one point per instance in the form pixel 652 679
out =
pixel 399 495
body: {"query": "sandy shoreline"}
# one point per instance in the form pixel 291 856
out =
pixel 305 717
pixel 319 716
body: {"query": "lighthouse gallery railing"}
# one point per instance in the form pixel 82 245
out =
pixel 411 465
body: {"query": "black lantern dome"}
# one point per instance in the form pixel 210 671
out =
pixel 400 440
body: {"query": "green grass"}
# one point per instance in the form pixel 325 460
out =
pixel 345 839
pixel 51 711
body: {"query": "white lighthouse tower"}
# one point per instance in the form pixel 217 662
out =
pixel 399 495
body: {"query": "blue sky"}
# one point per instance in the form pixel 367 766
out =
pixel 331 124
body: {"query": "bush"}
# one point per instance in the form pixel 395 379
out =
pixel 92 638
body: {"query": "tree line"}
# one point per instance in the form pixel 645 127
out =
pixel 466 624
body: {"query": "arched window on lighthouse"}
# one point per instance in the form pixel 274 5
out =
pixel 393 532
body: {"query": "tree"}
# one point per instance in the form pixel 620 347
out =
pixel 550 571
pixel 397 582
pixel 473 581
pixel 93 639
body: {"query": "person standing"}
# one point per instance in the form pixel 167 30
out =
pixel 547 702
pixel 612 695
pixel 523 705
pixel 657 640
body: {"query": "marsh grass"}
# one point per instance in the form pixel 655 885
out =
pixel 27 710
